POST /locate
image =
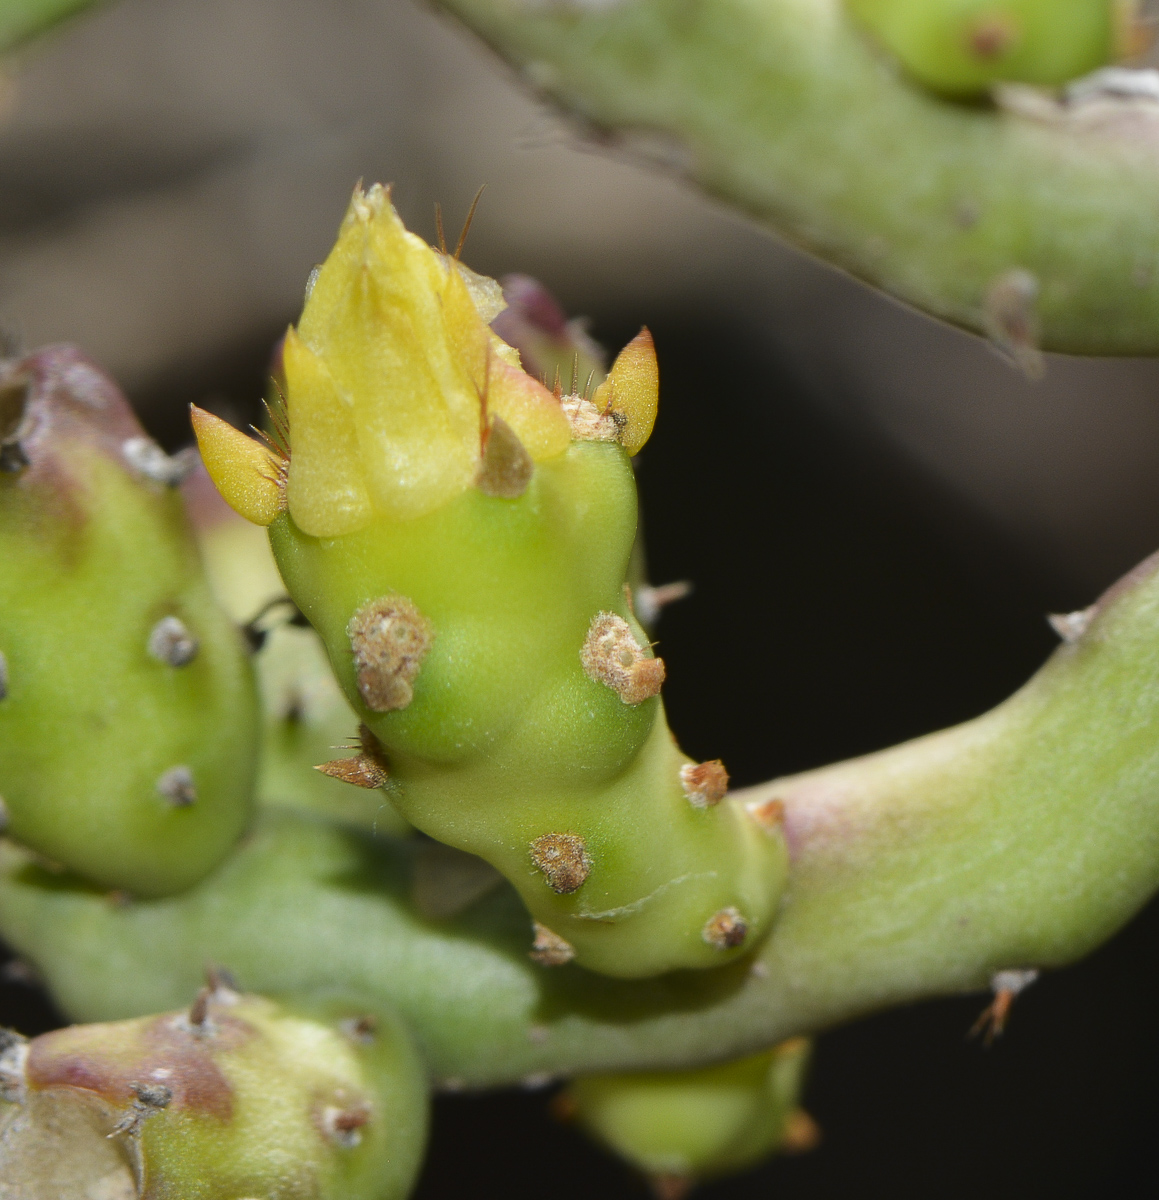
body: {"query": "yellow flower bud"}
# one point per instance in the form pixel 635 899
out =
pixel 394 376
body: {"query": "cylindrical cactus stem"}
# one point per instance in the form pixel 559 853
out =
pixel 128 715
pixel 484 634
pixel 961 47
pixel 682 1127
pixel 235 1096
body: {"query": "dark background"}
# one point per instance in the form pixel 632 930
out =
pixel 880 509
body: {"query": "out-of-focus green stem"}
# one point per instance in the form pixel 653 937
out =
pixel 23 19
pixel 992 219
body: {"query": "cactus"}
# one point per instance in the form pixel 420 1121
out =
pixel 128 711
pixel 460 539
pixel 679 1128
pixel 791 111
pixel 1019 840
pixel 463 541
pixel 233 1096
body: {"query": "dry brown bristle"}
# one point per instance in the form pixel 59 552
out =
pixel 470 218
pixel 802 1133
pixel 705 784
pixel 726 929
pixel 769 813
pixel 612 656
pixel 549 949
pixel 199 1009
pixel 670 1187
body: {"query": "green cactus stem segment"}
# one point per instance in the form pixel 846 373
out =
pixel 681 1127
pixel 1020 840
pixel 306 719
pixel 460 538
pixel 235 1096
pixel 789 111
pixel 471 641
pixel 129 715
pixel 21 20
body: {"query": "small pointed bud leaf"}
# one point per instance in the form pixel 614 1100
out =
pixel 506 468
pixel 632 389
pixel 246 473
pixel 534 414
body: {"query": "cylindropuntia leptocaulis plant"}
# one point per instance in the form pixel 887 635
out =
pixel 460 537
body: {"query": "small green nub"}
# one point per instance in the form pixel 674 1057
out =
pixel 680 1127
pixel 961 47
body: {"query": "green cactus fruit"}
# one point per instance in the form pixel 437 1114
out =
pixel 234 1097
pixel 682 1127
pixel 961 47
pixel 306 719
pixel 459 537
pixel 128 719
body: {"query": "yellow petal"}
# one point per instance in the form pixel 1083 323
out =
pixel 246 473
pixel 325 491
pixel 376 319
pixel 470 338
pixel 632 389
